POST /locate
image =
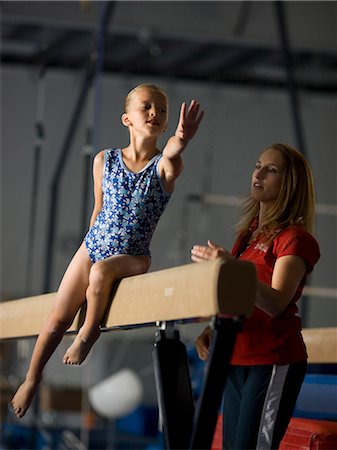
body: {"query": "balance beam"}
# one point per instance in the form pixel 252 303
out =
pixel 321 345
pixel 191 292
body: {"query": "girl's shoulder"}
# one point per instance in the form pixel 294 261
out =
pixel 103 159
pixel 99 158
pixel 110 152
pixel 106 154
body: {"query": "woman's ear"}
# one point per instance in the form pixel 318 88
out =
pixel 125 120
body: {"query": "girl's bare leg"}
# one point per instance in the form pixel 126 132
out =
pixel 102 276
pixel 70 297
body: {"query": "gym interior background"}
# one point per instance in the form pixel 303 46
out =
pixel 263 72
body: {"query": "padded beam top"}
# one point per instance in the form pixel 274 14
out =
pixel 192 292
pixel 321 345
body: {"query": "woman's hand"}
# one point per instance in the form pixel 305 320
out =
pixel 203 343
pixel 211 251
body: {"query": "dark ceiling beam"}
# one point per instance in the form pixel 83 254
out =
pixel 175 53
pixel 49 50
pixel 123 50
pixel 150 52
pixel 231 59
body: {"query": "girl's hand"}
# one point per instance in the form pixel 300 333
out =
pixel 212 251
pixel 203 343
pixel 189 121
pixel 171 164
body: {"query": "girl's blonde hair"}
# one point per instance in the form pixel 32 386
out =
pixel 150 87
pixel 296 200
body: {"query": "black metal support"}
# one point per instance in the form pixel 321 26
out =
pixel 38 145
pixel 209 402
pixel 184 426
pixel 93 112
pixel 290 73
pixel 293 96
pixel 174 392
pixel 87 155
pixel 54 190
pixel 89 73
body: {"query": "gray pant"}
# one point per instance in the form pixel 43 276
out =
pixel 258 404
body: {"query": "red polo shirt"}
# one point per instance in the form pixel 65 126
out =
pixel 278 340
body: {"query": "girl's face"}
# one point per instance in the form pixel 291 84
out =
pixel 147 112
pixel 267 177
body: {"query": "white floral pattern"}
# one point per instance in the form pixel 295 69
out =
pixel 132 206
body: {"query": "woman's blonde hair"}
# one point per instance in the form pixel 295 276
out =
pixel 296 200
pixel 150 87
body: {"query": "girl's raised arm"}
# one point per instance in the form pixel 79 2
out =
pixel 171 164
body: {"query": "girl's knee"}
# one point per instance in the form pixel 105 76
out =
pixel 58 323
pixel 144 264
pixel 100 279
pixel 103 274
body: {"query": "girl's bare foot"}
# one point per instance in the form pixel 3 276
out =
pixel 24 396
pixel 80 348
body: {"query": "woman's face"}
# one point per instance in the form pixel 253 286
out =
pixel 267 177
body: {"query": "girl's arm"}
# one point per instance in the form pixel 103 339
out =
pixel 171 164
pixel 288 273
pixel 98 193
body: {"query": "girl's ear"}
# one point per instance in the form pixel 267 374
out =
pixel 125 120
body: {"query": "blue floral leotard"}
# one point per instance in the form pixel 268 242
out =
pixel 132 205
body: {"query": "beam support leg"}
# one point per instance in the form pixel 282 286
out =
pixel 209 401
pixel 183 426
pixel 174 392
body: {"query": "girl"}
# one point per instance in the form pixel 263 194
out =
pixel 131 189
pixel 269 358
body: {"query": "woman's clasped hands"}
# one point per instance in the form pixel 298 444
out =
pixel 209 252
pixel 201 253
